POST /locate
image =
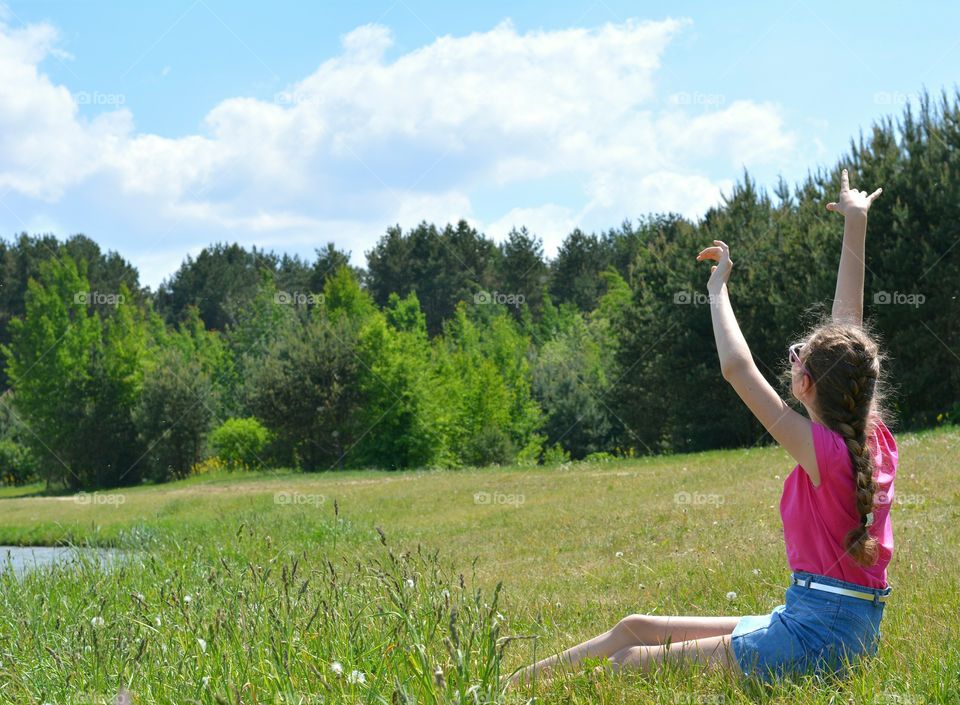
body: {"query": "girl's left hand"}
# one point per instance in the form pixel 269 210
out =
pixel 720 272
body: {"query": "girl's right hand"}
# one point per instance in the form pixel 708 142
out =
pixel 852 202
pixel 720 272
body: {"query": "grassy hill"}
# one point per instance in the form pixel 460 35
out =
pixel 576 547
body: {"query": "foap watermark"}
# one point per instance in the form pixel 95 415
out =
pixel 899 298
pixel 123 697
pixel 291 98
pixel 698 498
pixel 497 297
pixel 894 98
pixel 699 699
pixel 881 498
pixel 98 298
pixel 892 697
pixel 514 500
pixel 98 98
pixel 110 499
pixel 709 100
pixel 298 499
pixel 297 298
pixel 697 298
pixel 297 698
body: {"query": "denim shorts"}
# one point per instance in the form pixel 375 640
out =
pixel 815 632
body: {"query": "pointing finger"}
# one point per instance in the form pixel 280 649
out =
pixel 844 181
pixel 873 196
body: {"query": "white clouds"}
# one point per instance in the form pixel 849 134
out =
pixel 44 147
pixel 366 44
pixel 550 222
pixel 366 141
pixel 746 132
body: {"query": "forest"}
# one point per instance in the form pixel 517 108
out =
pixel 448 349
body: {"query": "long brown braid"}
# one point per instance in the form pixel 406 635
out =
pixel 844 361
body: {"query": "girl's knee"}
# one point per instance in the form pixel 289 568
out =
pixel 629 656
pixel 635 626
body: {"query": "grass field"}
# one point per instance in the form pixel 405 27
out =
pixel 255 589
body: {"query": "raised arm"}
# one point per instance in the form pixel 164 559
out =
pixel 853 205
pixel 791 430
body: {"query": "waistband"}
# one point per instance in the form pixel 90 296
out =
pixel 835 586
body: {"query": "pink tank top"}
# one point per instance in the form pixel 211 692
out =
pixel 816 519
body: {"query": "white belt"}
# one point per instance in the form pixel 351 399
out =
pixel 813 585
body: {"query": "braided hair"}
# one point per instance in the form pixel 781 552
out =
pixel 844 362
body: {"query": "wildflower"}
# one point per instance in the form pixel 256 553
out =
pixel 357 677
pixel 156 620
pixel 203 645
pixel 409 582
pixel 619 554
pixel 337 668
pixel 731 595
pixel 756 571
pixel 97 621
pixel 187 599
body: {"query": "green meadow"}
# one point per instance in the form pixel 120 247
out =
pixel 429 586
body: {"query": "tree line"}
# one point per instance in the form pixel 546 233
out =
pixel 448 349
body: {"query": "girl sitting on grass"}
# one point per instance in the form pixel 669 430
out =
pixel 835 504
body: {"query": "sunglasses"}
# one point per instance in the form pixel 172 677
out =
pixel 795 358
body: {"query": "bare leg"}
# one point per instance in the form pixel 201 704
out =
pixel 713 652
pixel 635 630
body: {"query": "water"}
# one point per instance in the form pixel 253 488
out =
pixel 23 558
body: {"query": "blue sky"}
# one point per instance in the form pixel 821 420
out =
pixel 157 128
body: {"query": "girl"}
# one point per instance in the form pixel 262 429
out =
pixel 835 503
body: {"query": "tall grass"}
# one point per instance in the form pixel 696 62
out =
pixel 262 612
pixel 234 593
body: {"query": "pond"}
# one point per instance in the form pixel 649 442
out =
pixel 23 558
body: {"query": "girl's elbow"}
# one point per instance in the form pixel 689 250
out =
pixel 732 369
